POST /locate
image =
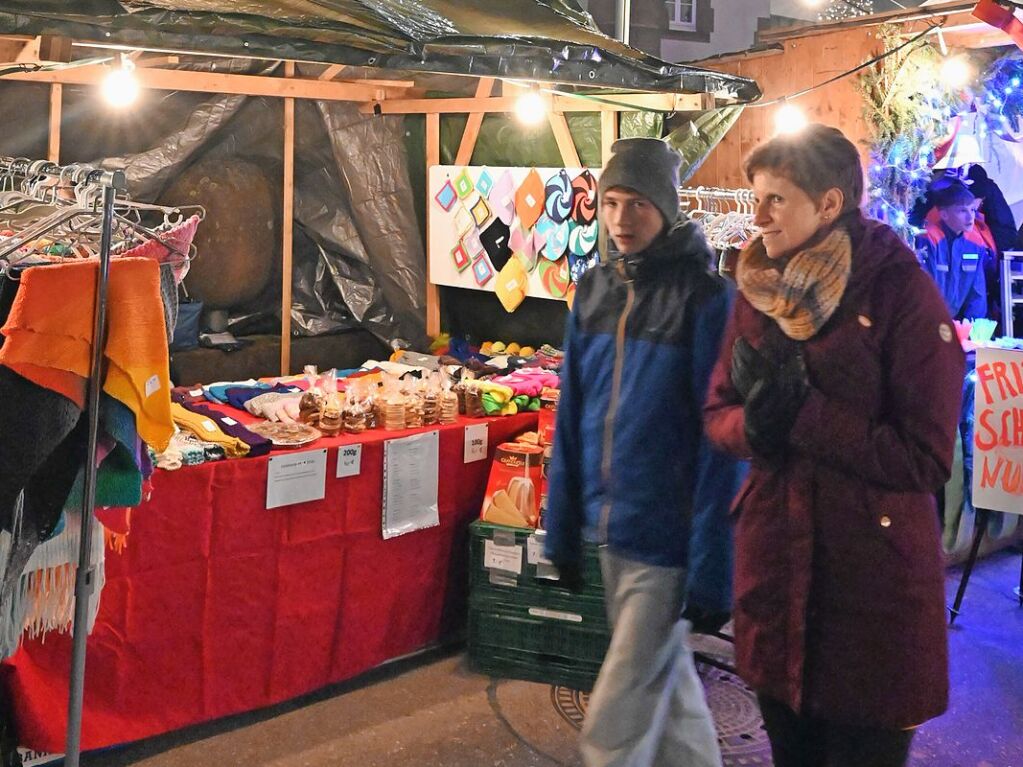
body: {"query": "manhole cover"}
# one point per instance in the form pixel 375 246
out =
pixel 733 704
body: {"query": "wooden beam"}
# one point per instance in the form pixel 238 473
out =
pixel 569 155
pixel 217 82
pixel 432 158
pixel 332 71
pixel 287 224
pixel 608 135
pixel 53 141
pixel 623 102
pixel 472 127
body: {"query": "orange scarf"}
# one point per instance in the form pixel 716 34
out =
pixel 49 337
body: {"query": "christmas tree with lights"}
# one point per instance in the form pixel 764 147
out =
pixel 908 107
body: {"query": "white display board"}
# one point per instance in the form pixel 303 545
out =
pixel 998 431
pixel 550 215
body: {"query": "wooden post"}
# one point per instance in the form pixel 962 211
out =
pixel 608 134
pixel 432 158
pixel 287 224
pixel 53 146
pixel 472 127
pixel 569 155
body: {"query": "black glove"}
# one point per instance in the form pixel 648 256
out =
pixel 773 405
pixel 704 621
pixel 570 576
pixel 748 367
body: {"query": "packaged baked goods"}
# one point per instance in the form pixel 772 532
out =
pixel 513 490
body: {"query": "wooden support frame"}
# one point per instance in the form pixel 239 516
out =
pixel 472 127
pixel 626 102
pixel 218 82
pixel 608 134
pixel 56 110
pixel 566 145
pixel 432 158
pixel 287 224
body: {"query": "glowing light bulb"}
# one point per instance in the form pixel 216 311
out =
pixel 789 119
pixel 120 88
pixel 956 72
pixel 530 108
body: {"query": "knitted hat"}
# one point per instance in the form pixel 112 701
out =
pixel 948 192
pixel 647 166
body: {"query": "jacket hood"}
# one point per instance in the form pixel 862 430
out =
pixel 683 241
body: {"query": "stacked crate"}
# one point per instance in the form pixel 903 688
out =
pixel 522 625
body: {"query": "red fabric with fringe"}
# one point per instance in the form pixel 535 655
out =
pixel 218 605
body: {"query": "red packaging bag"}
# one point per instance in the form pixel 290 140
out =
pixel 548 415
pixel 513 489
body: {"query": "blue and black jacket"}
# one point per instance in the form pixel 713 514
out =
pixel 631 467
pixel 956 262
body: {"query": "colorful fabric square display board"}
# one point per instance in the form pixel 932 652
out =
pixel 527 231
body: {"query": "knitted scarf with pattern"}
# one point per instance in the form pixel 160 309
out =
pixel 800 292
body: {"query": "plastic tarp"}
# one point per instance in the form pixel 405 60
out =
pixel 358 254
pixel 544 40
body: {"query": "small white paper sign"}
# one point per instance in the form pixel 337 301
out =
pixel 349 460
pixel 506 558
pixel 534 551
pixel 476 437
pixel 411 478
pixel 296 478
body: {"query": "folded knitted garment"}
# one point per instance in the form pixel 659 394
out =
pixel 50 326
pixel 276 406
pixel 258 445
pixel 207 430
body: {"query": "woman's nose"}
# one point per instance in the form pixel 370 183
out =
pixel 761 216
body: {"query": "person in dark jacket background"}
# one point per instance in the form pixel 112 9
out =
pixel 952 253
pixel 996 211
pixel 840 376
pixel 632 470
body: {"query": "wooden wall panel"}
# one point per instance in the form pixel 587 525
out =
pixel 805 62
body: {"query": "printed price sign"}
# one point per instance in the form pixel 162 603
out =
pixel 349 461
pixel 475 442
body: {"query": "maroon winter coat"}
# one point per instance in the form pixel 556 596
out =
pixel 839 598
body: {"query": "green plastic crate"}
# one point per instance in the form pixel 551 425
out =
pixel 529 577
pixel 570 629
pixel 532 667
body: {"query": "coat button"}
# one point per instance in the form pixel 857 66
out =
pixel 865 321
pixel 886 521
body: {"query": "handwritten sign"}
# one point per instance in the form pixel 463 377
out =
pixel 998 431
pixel 349 461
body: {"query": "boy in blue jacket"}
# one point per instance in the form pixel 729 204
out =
pixel 632 470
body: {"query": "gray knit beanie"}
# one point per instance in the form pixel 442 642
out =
pixel 648 166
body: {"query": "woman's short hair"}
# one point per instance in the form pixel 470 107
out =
pixel 816 159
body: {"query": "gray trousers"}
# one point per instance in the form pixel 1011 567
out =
pixel 648 708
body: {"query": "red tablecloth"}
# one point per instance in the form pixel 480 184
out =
pixel 219 605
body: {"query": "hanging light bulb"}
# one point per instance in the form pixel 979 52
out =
pixel 530 108
pixel 956 72
pixel 789 119
pixel 121 87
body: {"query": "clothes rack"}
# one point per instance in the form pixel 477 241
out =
pixel 110 183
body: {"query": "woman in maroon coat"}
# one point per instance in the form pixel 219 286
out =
pixel 840 378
